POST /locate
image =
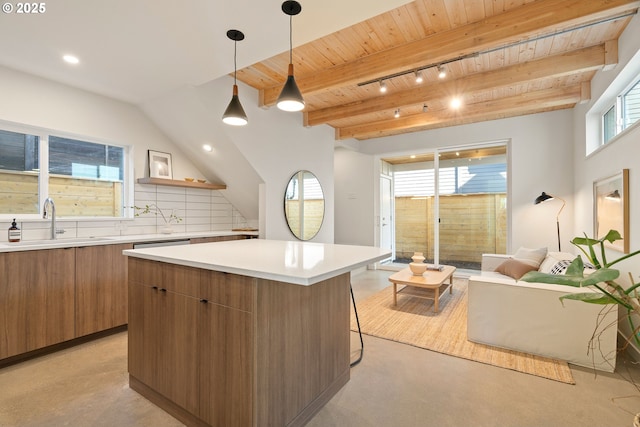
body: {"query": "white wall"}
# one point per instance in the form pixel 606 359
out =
pixel 38 102
pixel 354 198
pixel 541 160
pixel 621 153
pixel 34 101
pixel 273 146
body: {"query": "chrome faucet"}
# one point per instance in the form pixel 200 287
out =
pixel 45 214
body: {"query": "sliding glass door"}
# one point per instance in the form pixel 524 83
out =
pixel 451 205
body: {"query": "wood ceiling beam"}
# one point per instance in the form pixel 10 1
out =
pixel 518 24
pixel 582 60
pixel 526 103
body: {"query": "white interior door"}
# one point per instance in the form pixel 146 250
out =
pixel 386 209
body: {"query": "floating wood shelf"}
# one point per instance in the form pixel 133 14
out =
pixel 178 183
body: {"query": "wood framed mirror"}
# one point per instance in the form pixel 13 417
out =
pixel 304 205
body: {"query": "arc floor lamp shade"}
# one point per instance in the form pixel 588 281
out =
pixel 290 98
pixel 545 197
pixel 234 114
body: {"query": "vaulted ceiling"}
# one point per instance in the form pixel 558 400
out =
pixel 503 58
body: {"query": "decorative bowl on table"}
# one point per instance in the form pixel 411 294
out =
pixel 417 268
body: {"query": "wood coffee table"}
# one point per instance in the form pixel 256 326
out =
pixel 431 285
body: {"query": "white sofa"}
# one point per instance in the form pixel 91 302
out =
pixel 529 317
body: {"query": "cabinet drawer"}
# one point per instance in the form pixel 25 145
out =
pixel 171 277
pixel 231 290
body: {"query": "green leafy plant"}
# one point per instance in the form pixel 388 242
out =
pixel 154 209
pixel 603 279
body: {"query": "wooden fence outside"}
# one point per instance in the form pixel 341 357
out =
pixel 470 225
pixel 73 196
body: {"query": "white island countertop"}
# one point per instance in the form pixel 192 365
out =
pixel 301 263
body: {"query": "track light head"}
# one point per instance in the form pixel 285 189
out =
pixel 383 86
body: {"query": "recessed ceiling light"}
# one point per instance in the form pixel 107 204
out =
pixel 456 103
pixel 413 156
pixel 207 148
pixel 70 59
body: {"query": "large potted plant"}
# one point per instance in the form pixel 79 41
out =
pixel 605 279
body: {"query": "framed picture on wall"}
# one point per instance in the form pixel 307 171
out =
pixel 160 165
pixel 611 209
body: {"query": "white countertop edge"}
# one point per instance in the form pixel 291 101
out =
pixel 296 280
pixel 26 245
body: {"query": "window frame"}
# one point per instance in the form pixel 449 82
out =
pixel 43 135
pixel 619 104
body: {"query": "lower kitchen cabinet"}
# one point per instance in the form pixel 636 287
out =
pixel 101 288
pixel 188 344
pixel 36 299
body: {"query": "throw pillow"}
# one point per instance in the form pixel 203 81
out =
pixel 515 268
pixel 552 259
pixel 561 267
pixel 532 257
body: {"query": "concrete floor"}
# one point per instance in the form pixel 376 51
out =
pixel 394 385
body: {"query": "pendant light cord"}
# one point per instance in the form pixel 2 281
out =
pixel 290 39
pixel 235 61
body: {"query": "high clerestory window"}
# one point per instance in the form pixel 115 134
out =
pixel 85 178
pixel 623 113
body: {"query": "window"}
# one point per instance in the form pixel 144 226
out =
pixel 84 178
pixel 19 173
pixel 624 113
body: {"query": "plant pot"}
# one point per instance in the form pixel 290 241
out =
pixel 417 257
pixel 166 229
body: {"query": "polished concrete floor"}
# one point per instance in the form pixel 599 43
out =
pixel 394 385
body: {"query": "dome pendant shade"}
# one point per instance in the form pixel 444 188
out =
pixel 290 98
pixel 234 114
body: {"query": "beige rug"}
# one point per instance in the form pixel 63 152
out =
pixel 414 322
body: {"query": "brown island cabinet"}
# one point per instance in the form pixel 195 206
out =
pixel 215 342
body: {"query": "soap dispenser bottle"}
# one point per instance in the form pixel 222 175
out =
pixel 14 232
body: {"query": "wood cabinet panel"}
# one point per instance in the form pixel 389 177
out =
pixel 177 278
pixel 231 290
pixel 37 294
pixel 226 366
pixel 101 288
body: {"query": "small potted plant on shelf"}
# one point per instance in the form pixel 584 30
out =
pixel 606 280
pixel 154 209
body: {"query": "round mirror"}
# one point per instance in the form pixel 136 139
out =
pixel 304 205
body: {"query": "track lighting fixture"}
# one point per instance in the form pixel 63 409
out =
pixel 397 113
pixel 290 98
pixel 419 78
pixel 234 114
pixel 383 86
pixel 442 72
pixel 425 108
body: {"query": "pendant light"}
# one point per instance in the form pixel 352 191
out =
pixel 290 98
pixel 234 114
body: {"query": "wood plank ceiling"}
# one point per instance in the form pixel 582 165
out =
pixel 503 58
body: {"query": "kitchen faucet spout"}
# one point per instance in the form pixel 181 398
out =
pixel 46 213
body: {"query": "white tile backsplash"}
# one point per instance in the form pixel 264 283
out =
pixel 201 210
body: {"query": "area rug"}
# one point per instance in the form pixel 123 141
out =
pixel 413 322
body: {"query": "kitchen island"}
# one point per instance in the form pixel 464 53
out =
pixel 242 333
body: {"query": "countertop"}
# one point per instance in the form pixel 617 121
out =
pixel 301 263
pixel 30 245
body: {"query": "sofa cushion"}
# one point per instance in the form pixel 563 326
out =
pixel 529 256
pixel 515 268
pixel 554 258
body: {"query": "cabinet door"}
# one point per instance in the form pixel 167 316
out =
pixel 163 330
pixel 101 288
pixel 37 299
pixel 226 366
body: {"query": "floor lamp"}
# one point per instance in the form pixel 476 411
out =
pixel 543 198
